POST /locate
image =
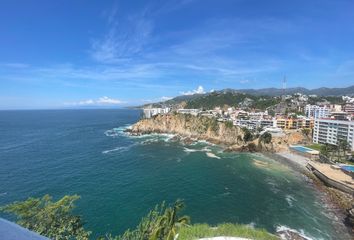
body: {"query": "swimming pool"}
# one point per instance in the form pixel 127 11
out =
pixel 302 149
pixel 348 168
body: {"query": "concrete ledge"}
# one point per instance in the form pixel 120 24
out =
pixel 330 181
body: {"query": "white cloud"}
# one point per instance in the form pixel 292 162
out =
pixel 244 81
pixel 85 102
pixel 165 98
pixel 107 100
pixel 155 100
pixel 125 38
pixel 199 90
pixel 14 65
pixel 98 102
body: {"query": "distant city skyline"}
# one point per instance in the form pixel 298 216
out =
pixel 74 54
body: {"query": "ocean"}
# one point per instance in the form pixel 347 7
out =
pixel 120 177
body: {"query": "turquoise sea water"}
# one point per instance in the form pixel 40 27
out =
pixel 120 178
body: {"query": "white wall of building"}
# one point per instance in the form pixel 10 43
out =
pixel 332 131
pixel 317 111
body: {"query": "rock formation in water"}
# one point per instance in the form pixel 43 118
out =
pixel 192 127
pixel 185 125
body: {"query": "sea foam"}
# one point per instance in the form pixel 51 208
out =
pixel 282 228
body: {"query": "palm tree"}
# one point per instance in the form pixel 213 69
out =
pixel 325 150
pixel 306 132
pixel 169 223
pixel 342 145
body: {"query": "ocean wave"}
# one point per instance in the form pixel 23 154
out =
pixel 206 149
pixel 120 149
pixel 161 136
pixel 154 138
pixel 284 229
pixel 149 141
pixel 111 133
pixel 212 155
pixel 190 150
pixel 118 131
pixel 273 185
pixel 205 142
pixel 251 225
pixel 290 199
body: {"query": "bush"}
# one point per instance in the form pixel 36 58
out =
pixel 162 223
pixel 248 136
pixel 229 124
pixel 214 125
pixel 232 230
pixel 252 147
pixel 51 219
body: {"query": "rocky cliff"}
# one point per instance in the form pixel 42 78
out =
pixel 185 125
pixel 209 129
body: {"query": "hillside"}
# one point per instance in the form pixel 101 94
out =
pixel 219 99
pixel 262 97
pixel 323 91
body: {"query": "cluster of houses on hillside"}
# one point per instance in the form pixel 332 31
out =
pixel 329 123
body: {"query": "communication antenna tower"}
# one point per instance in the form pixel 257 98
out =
pixel 284 85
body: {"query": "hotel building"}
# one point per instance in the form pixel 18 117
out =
pixel 150 112
pixel 317 111
pixel 332 131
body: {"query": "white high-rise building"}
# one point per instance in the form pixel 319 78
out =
pixel 317 111
pixel 333 131
pixel 150 112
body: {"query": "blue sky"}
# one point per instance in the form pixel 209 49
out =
pixel 58 54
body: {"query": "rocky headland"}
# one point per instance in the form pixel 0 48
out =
pixel 191 127
pixel 231 137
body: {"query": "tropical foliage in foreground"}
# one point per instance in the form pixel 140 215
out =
pixel 51 219
pixel 162 223
pixel 227 229
pixel 56 221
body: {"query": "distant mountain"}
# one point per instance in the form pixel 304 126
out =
pixel 227 96
pixel 289 91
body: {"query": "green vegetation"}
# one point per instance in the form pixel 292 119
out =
pixel 51 219
pixel 306 132
pixel 247 135
pixel 229 124
pixel 265 138
pixel 315 146
pixel 162 223
pixel 331 99
pixel 56 221
pixel 213 124
pixel 200 124
pixel 265 102
pixel 219 99
pixel 227 229
pixel 252 147
pixel 337 153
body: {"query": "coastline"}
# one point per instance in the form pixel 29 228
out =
pixel 296 162
pixel 331 198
